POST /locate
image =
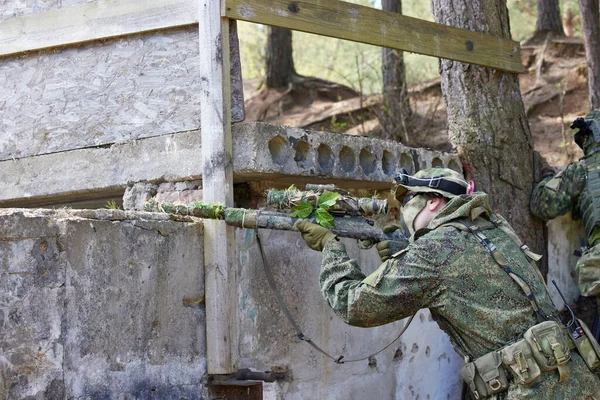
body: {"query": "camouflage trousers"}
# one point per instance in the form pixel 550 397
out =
pixel 588 272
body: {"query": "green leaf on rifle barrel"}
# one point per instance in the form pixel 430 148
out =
pixel 302 210
pixel 328 199
pixel 324 218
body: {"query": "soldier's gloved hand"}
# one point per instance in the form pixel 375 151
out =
pixel 315 236
pixel 389 247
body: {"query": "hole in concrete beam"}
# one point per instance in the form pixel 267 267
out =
pixel 388 163
pixel 347 159
pixel 453 165
pixel 325 159
pixel 437 162
pixel 367 161
pixel 279 149
pixel 406 162
pixel 301 157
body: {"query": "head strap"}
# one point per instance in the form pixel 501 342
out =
pixel 439 183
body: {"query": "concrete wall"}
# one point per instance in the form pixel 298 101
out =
pixel 564 236
pixel 109 304
pixel 421 364
pixel 100 305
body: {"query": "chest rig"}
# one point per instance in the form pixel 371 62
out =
pixel 544 347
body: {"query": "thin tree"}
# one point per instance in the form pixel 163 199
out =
pixel 281 72
pixel 396 106
pixel 279 58
pixel 549 21
pixel 486 119
pixel 590 17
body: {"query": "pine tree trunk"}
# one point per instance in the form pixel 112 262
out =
pixel 486 119
pixel 396 112
pixel 590 21
pixel 549 20
pixel 280 61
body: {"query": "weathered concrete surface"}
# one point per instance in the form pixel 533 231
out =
pixel 100 304
pixel 109 304
pixel 564 236
pixel 260 152
pixel 295 155
pixel 97 172
pixel 421 363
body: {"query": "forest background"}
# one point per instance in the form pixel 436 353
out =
pixel 359 65
pixel 553 87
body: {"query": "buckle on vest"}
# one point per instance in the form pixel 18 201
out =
pixel 495 384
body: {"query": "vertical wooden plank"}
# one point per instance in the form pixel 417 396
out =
pixel 217 186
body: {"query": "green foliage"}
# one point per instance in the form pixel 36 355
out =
pixel 323 217
pixel 111 205
pixel 302 210
pixel 328 199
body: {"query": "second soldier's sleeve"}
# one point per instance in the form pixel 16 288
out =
pixel 557 195
pixel 396 290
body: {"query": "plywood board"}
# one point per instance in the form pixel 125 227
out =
pixel 92 21
pixel 106 92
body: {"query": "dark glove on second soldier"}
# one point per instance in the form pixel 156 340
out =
pixel 387 248
pixel 315 236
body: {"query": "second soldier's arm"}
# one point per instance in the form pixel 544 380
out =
pixel 397 289
pixel 556 195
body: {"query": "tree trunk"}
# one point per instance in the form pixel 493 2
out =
pixel 548 20
pixel 280 61
pixel 396 111
pixel 590 17
pixel 486 119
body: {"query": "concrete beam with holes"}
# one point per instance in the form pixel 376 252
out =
pixel 261 152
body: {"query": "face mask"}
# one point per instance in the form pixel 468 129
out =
pixel 409 212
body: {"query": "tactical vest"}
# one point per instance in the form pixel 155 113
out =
pixel 545 347
pixel 590 198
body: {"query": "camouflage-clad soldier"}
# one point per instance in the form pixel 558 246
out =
pixel 577 189
pixel 476 299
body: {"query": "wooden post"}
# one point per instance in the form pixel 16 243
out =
pixel 217 186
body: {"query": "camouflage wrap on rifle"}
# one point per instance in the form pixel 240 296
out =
pixel 472 299
pixel 365 206
pixel 354 227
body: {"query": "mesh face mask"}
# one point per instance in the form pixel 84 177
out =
pixel 409 212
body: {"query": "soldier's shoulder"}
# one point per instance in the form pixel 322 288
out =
pixel 442 236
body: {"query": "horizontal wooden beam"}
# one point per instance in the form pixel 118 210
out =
pixel 348 21
pixel 92 21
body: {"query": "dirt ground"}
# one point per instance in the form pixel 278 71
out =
pixel 553 88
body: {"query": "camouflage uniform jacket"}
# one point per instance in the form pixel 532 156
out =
pixel 472 299
pixel 555 196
